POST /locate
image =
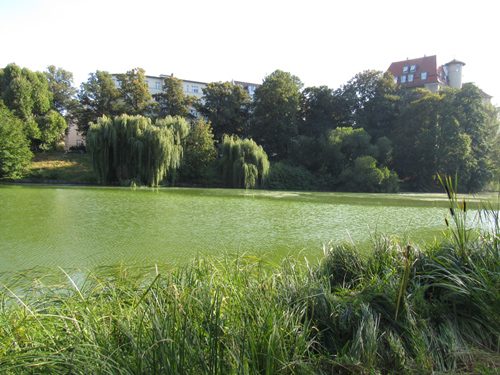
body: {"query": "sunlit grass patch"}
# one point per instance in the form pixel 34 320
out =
pixel 61 166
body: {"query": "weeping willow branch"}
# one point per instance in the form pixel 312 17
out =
pixel 130 148
pixel 244 164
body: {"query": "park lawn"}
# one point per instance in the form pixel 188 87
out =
pixel 60 166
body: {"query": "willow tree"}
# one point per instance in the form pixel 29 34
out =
pixel 243 163
pixel 130 148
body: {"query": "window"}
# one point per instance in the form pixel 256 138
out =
pixel 403 79
pixel 251 89
pixel 78 142
pixel 413 68
pixel 194 89
pixel 396 80
pixel 405 69
pixel 410 77
pixel 423 76
pixel 158 85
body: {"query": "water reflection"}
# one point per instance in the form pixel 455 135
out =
pixel 88 226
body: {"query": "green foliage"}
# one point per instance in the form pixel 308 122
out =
pixel 172 101
pixel 61 85
pixel 28 96
pixel 364 176
pixel 286 177
pixel 317 111
pixel 450 135
pixel 134 92
pixel 276 108
pixel 374 102
pixel 132 149
pixel 200 152
pixel 97 97
pixel 24 92
pixel 15 153
pixel 244 164
pixel 51 126
pixel 226 107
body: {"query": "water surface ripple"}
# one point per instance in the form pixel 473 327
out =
pixel 84 227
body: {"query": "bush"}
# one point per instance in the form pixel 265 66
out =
pixel 364 176
pixel 284 176
pixel 15 154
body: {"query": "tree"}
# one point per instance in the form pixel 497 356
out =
pixel 317 111
pixel 98 97
pixel 244 164
pixel 15 152
pixel 27 95
pixel 343 146
pixel 131 149
pixel 61 85
pixel 172 101
pixel 493 125
pixel 472 117
pixel 276 113
pixel 428 140
pixel 226 107
pixel 364 176
pixel 374 101
pixel 134 92
pixel 199 152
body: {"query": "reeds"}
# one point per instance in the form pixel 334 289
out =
pixel 398 309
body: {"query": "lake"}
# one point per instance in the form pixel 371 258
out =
pixel 84 227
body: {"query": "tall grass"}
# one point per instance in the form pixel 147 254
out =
pixel 399 309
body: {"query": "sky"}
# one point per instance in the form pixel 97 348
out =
pixel 321 42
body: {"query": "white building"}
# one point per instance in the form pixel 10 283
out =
pixel 155 85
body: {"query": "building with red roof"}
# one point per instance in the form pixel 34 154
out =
pixel 424 72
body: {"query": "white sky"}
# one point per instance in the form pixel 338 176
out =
pixel 322 42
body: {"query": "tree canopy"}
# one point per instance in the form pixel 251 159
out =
pixel 226 107
pixel 244 164
pixel 28 96
pixel 61 85
pixel 130 149
pixel 15 152
pixel 134 92
pixel 199 152
pixel 172 101
pixel 276 113
pixel 98 97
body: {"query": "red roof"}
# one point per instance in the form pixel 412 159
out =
pixel 415 67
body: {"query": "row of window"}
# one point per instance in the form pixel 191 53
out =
pixel 410 77
pixel 193 89
pixel 411 68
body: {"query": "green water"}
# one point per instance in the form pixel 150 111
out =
pixel 48 226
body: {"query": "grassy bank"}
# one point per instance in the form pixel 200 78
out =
pixel 400 309
pixel 57 166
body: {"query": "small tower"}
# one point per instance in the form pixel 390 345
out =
pixel 454 70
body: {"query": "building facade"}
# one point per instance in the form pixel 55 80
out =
pixel 424 72
pixel 73 137
pixel 155 85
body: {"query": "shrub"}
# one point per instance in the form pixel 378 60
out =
pixel 284 176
